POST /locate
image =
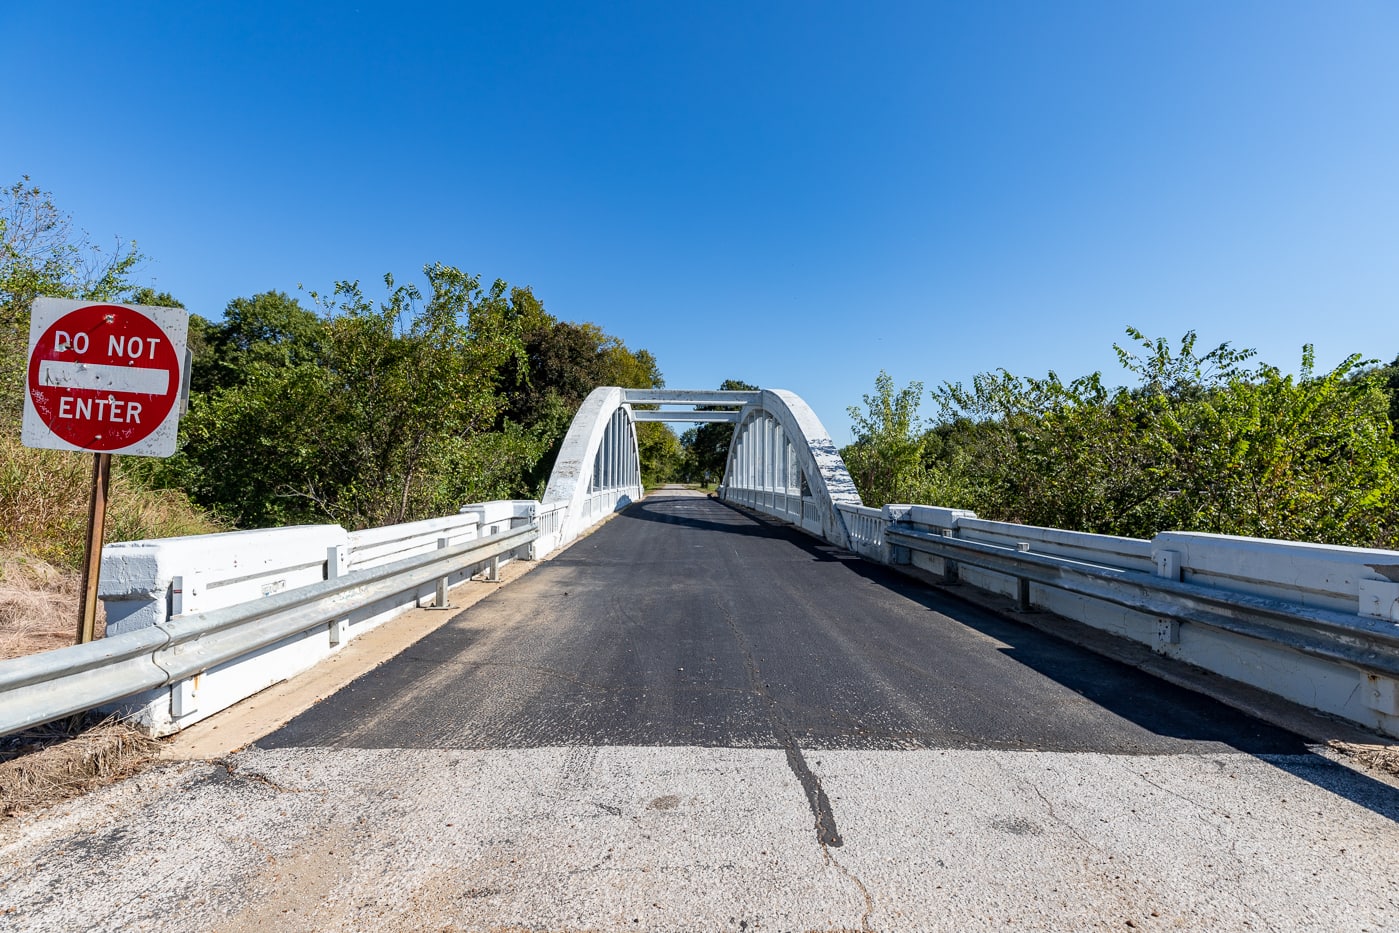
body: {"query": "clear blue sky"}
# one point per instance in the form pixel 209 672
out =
pixel 795 194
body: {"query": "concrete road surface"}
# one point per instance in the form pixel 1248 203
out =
pixel 695 720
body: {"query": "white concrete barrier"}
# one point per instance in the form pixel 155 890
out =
pixel 149 583
pixel 144 583
pixel 1308 622
pixel 1347 579
pixel 500 514
pixel 374 547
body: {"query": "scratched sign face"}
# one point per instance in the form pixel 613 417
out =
pixel 104 378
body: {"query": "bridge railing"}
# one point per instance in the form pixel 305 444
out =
pixel 866 527
pixel 786 504
pixel 1315 624
pixel 782 461
pixel 196 624
pixel 550 520
pixel 374 547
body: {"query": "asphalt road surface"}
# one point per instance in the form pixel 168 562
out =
pixel 696 720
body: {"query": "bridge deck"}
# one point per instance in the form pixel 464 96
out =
pixel 693 719
pixel 684 621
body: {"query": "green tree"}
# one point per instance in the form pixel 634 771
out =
pixel 1201 442
pixel 563 362
pixel 660 453
pixel 146 295
pixel 1270 455
pixel 43 253
pixel 268 329
pixel 706 447
pixel 886 459
pixel 1387 378
pixel 367 415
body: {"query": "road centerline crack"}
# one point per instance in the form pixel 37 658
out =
pixel 827 833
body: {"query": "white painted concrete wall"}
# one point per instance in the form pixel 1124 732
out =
pixel 137 583
pixel 1355 582
pixel 145 583
pixel 598 469
pixel 1320 575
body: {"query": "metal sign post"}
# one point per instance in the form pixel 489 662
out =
pixel 107 379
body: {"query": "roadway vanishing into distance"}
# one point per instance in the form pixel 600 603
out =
pixel 693 719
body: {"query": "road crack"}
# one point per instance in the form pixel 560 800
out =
pixel 233 771
pixel 865 926
pixel 827 833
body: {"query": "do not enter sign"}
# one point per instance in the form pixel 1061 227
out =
pixel 104 378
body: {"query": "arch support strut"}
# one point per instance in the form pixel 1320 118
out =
pixel 783 462
pixel 598 470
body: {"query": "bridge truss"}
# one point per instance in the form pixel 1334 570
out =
pixel 782 460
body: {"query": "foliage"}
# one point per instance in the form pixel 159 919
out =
pixel 1201 442
pixel 42 253
pixel 1387 377
pixel 44 493
pixel 706 447
pixel 146 295
pixel 563 362
pixel 886 460
pixel 660 451
pixel 367 413
pixel 268 330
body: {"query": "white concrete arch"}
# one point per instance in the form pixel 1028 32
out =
pixel 782 462
pixel 598 469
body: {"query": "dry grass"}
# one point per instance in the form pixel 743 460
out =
pixel 1380 757
pixel 38 605
pixel 43 527
pixel 53 763
pixel 44 501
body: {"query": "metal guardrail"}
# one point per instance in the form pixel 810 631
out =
pixel 1369 644
pixel 379 546
pixel 43 687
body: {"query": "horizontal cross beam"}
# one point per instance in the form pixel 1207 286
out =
pixel 688 397
pixel 693 417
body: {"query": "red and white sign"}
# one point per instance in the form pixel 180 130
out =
pixel 104 377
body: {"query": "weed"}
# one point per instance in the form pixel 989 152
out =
pixel 52 763
pixel 44 498
pixel 38 605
